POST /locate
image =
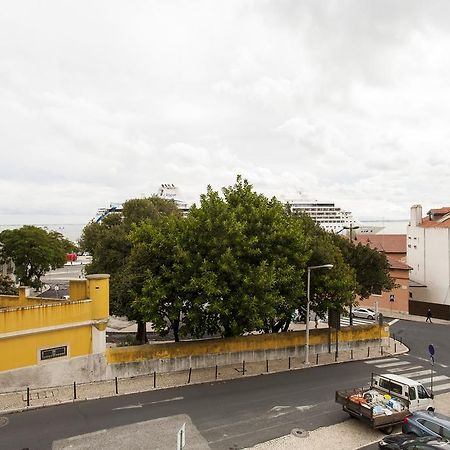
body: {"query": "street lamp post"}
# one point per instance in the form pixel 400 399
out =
pixel 308 289
pixel 351 228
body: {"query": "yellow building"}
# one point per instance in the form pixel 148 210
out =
pixel 35 332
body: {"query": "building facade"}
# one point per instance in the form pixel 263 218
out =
pixel 394 248
pixel 428 254
pixel 43 339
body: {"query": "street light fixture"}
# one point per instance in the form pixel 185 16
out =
pixel 308 288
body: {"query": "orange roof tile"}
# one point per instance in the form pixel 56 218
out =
pixel 387 243
pixel 395 264
pixel 437 218
pixel 444 210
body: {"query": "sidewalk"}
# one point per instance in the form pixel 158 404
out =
pixel 37 398
pixel 406 316
pixel 347 435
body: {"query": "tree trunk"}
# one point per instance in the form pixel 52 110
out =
pixel 176 330
pixel 286 325
pixel 141 335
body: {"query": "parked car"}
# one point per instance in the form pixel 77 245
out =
pixel 364 313
pixel 427 423
pixel 410 442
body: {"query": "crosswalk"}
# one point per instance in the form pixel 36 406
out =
pixel 441 383
pixel 345 321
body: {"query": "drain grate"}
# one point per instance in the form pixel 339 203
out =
pixel 298 432
pixel 3 421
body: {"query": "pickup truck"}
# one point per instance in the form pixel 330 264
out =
pixel 386 402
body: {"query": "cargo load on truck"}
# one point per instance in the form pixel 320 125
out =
pixel 386 401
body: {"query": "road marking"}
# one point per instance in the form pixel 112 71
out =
pixel 399 363
pixel 403 369
pixel 140 405
pixel 427 380
pixel 304 408
pixel 375 361
pixel 428 360
pixel 127 407
pixel 441 387
pixel 416 374
pixel 393 321
pixel 164 401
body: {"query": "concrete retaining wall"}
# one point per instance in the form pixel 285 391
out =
pixel 125 362
pixel 168 357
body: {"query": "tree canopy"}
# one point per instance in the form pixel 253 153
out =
pixel 371 267
pixel 236 264
pixel 109 244
pixel 34 251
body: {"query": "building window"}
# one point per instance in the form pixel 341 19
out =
pixel 55 352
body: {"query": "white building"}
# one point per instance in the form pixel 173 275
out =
pixel 428 253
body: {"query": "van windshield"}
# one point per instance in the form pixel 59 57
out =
pixel 422 392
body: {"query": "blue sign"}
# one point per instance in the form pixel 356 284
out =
pixel 431 349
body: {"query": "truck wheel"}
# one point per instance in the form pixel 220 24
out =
pixel 387 430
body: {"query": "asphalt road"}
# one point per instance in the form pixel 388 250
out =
pixel 418 336
pixel 230 414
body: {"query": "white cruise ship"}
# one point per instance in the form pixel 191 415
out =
pixel 330 217
pixel 166 191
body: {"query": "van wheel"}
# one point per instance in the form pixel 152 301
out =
pixel 387 430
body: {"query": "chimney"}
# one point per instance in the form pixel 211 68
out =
pixel 416 215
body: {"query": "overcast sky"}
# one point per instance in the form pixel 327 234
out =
pixel 100 101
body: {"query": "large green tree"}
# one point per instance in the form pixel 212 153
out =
pixel 7 286
pixel 329 289
pixel 34 251
pixel 159 263
pixel 371 267
pixel 247 260
pixel 109 244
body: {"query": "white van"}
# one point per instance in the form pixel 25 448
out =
pixel 412 391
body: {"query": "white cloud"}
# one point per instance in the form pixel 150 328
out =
pixel 347 101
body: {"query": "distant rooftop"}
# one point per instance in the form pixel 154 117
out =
pixel 437 218
pixel 386 243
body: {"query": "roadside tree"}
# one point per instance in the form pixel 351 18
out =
pixel 7 286
pixel 109 244
pixel 371 267
pixel 34 252
pixel 329 289
pixel 246 259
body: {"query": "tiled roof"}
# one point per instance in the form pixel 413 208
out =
pixel 387 243
pixel 441 211
pixel 438 222
pixel 396 264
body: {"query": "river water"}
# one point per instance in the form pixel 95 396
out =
pixel 72 231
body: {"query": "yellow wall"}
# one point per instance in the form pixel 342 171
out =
pixel 23 351
pixel 28 324
pixel 239 344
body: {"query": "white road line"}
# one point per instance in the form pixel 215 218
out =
pixel 374 361
pixel 441 387
pixel 393 321
pixel 404 369
pixel 127 407
pixel 427 380
pixel 392 364
pixel 415 374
